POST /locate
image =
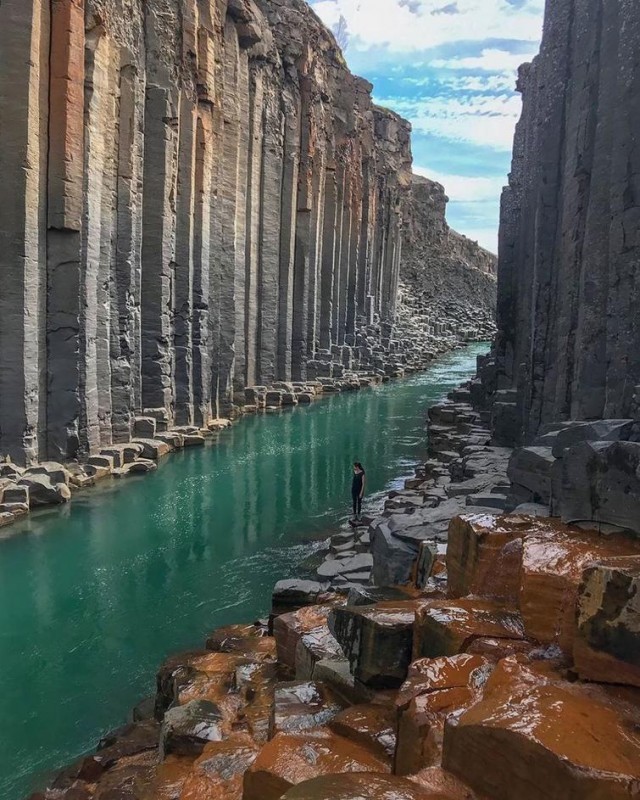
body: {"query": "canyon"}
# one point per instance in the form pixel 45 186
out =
pixel 206 219
pixel 477 637
pixel 203 198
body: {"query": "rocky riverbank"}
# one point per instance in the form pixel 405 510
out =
pixel 379 352
pixel 447 651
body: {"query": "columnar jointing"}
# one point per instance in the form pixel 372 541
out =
pixel 199 201
pixel 569 340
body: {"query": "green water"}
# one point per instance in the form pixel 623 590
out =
pixel 93 597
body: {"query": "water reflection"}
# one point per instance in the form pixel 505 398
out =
pixel 94 596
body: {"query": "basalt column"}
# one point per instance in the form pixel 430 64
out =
pixel 197 201
pixel 569 334
pixel 288 232
pixel 24 89
pixel 161 155
pixel 125 297
pixel 72 420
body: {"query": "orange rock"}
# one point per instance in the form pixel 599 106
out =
pixel 218 773
pixel 607 644
pixel 169 779
pixel 213 679
pixel 288 629
pixel 175 673
pixel 484 554
pixel 532 564
pixel 421 727
pixel 530 737
pixel 497 649
pixel 288 760
pixel 244 640
pixel 553 562
pixel 431 674
pixel 362 787
pixel 450 627
pixel 371 725
pixel 301 705
pixel 435 689
pixel 441 782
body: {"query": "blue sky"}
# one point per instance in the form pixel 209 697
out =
pixel 449 66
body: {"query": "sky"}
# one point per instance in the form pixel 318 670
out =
pixel 450 67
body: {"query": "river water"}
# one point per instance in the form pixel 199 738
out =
pixel 94 596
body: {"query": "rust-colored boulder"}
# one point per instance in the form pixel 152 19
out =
pixel 435 689
pixel 533 737
pixel 484 554
pixel 301 705
pixel 212 678
pixel 441 782
pixel 529 563
pixel 446 628
pixel 371 725
pixel 244 640
pixel 362 786
pixel 288 630
pixel 497 649
pixel 553 561
pixel 421 727
pixel 431 674
pixel 315 646
pixel 607 643
pixel 290 759
pixel 219 772
pixel 377 640
pixel 168 779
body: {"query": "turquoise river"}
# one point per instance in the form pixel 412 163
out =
pixel 94 596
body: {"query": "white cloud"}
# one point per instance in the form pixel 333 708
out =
pixel 421 25
pixel 465 188
pixel 486 237
pixel 484 120
pixel 449 66
pixel 491 60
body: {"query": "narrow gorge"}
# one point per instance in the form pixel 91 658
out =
pixel 201 197
pixel 210 227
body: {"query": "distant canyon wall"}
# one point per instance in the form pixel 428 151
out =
pixel 441 265
pixel 198 196
pixel 569 273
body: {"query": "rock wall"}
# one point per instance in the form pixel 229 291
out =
pixel 200 196
pixel 569 340
pixel 448 281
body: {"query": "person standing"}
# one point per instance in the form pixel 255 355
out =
pixel 357 490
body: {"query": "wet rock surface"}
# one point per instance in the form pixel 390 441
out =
pixel 495 656
pixel 505 658
pixel 359 787
pixel 575 743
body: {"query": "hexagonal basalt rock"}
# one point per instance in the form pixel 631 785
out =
pixel 607 643
pixel 377 640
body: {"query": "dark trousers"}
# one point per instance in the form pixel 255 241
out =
pixel 357 503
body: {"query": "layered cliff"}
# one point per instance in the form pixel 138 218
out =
pixel 451 276
pixel 200 196
pixel 569 340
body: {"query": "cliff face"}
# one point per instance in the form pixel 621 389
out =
pixel 448 273
pixel 569 293
pixel 199 196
